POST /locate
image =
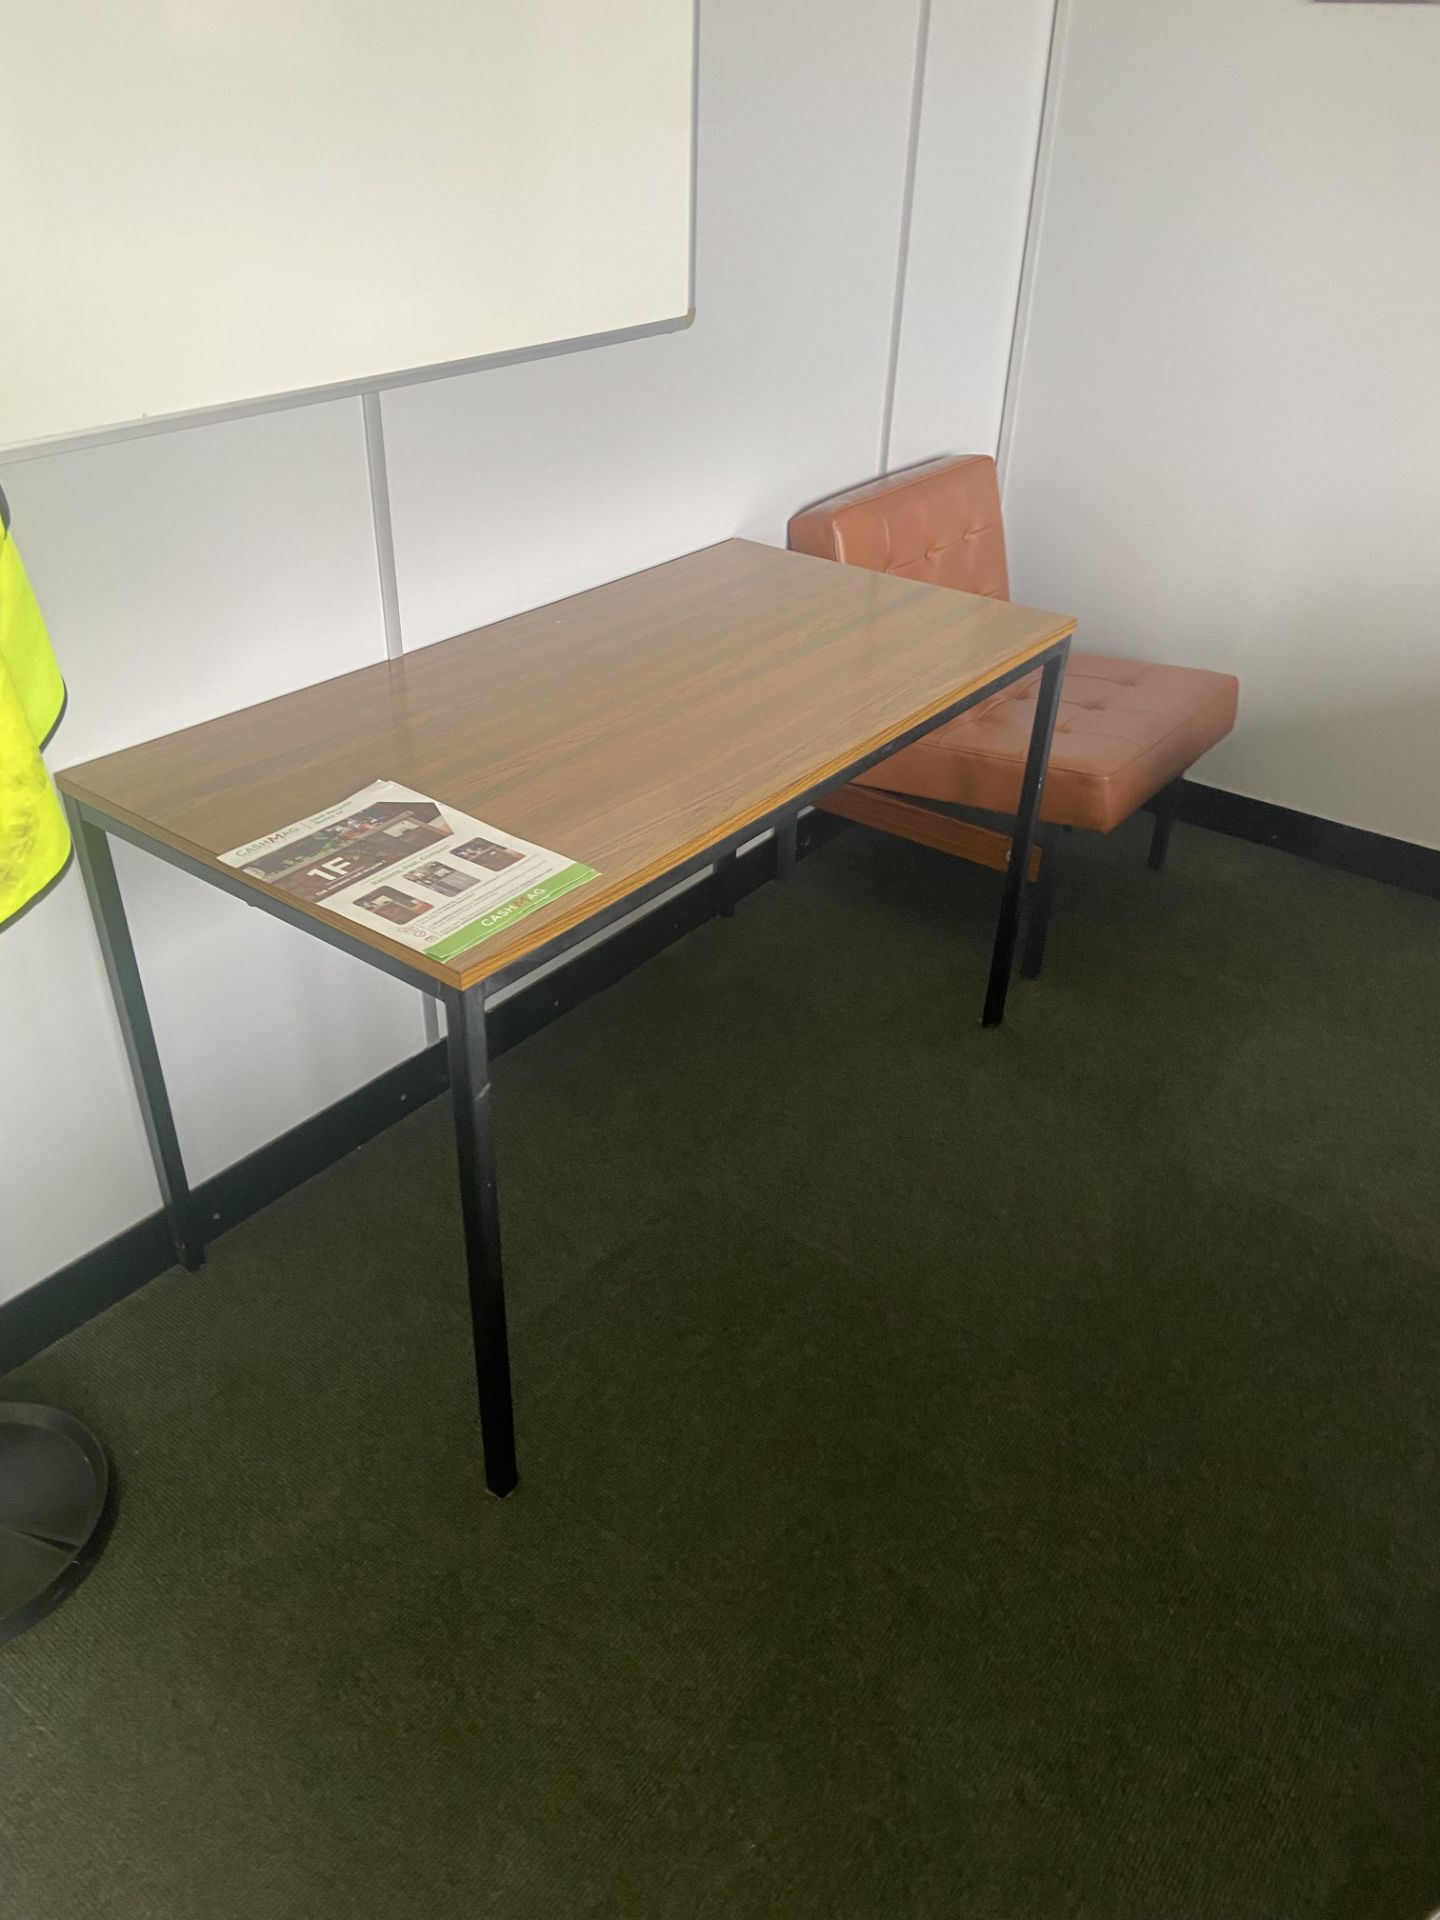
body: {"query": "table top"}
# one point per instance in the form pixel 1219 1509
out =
pixel 629 728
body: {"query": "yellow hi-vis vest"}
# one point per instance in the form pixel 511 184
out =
pixel 34 839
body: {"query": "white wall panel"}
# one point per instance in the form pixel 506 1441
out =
pixel 513 487
pixel 980 119
pixel 191 573
pixel 74 1167
pixel 1224 448
pixel 182 576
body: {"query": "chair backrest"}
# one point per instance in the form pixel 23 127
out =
pixel 939 522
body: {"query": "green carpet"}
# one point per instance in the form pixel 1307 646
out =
pixel 963 1476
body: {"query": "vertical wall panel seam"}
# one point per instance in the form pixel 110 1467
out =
pixel 907 210
pixel 381 523
pixel 1034 220
pixel 384 531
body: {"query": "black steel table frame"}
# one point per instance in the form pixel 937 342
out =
pixel 466 1013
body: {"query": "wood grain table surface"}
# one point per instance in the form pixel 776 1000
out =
pixel 629 727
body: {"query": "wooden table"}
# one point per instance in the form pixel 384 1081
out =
pixel 645 728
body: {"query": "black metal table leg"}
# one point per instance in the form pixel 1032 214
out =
pixel 786 836
pixel 92 851
pixel 479 1205
pixel 727 884
pixel 1036 761
pixel 1042 898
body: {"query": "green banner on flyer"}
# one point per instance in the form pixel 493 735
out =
pixel 499 918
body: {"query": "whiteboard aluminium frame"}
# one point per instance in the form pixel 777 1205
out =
pixel 344 390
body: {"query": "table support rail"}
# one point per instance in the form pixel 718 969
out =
pixel 117 949
pixel 468 1050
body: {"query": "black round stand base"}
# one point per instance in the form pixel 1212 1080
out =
pixel 55 1499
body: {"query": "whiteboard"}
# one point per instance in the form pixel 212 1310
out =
pixel 208 202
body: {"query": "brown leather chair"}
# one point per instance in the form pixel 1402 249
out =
pixel 1126 730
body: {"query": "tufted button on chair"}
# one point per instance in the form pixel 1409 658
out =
pixel 1126 732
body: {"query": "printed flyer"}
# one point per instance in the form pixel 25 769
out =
pixel 402 865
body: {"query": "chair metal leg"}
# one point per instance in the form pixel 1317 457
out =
pixel 479 1205
pixel 1041 896
pixel 1036 762
pixel 117 950
pixel 1165 803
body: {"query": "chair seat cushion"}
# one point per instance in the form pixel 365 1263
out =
pixel 1125 730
